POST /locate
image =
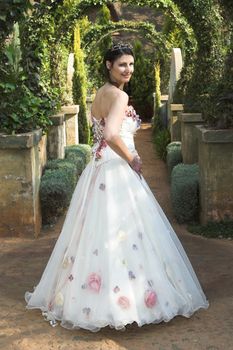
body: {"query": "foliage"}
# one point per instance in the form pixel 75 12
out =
pixel 62 164
pixel 222 229
pixel 161 139
pixel 142 82
pixel 12 11
pixel 174 155
pixel 184 192
pixel 157 88
pixel 80 87
pixel 56 190
pixel 20 109
pixel 82 150
pixel 96 71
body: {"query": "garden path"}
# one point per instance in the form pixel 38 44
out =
pixel 23 260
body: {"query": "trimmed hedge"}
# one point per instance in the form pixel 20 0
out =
pixel 184 192
pixel 82 150
pixel 174 155
pixel 56 190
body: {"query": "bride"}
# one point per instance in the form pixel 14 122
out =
pixel 117 259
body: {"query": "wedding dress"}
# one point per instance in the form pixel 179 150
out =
pixel 117 259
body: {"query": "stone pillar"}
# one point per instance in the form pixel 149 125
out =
pixel 71 124
pixel 20 174
pixel 189 139
pixel 216 169
pixel 163 110
pixel 56 137
pixel 89 101
pixel 174 122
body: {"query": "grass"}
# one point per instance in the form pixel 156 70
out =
pixel 223 229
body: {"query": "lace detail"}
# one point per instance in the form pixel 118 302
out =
pixel 132 114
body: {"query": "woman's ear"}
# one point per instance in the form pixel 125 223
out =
pixel 108 65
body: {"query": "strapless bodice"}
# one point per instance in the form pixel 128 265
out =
pixel 131 123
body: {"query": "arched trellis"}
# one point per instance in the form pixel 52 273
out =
pixel 202 18
pixel 96 33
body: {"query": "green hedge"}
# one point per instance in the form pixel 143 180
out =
pixel 161 139
pixel 174 155
pixel 56 190
pixel 63 164
pixel 82 150
pixel 184 192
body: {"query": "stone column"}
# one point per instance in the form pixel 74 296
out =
pixel 174 122
pixel 20 174
pixel 189 139
pixel 71 124
pixel 56 137
pixel 216 169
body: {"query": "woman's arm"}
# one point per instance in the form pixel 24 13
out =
pixel 113 125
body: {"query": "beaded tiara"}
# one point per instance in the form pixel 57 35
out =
pixel 120 46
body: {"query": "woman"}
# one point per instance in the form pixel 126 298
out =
pixel 117 259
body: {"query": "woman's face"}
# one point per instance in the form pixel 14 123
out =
pixel 121 69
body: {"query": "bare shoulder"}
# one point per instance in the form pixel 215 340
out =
pixel 117 95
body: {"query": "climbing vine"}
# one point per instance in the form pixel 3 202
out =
pixel 48 31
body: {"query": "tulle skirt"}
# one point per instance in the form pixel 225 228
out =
pixel 117 259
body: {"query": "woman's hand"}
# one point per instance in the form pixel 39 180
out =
pixel 136 165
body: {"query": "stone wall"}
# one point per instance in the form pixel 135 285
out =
pixel 216 174
pixel 20 172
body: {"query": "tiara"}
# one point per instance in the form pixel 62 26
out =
pixel 120 46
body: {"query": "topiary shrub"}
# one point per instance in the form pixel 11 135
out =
pixel 82 150
pixel 174 155
pixel 184 192
pixel 56 190
pixel 64 164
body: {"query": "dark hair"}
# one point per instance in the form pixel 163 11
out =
pixel 116 51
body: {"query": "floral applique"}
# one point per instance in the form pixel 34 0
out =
pixel 96 252
pixel 123 302
pixel 99 141
pixel 116 289
pixel 71 277
pixel 94 282
pixel 131 275
pixel 150 298
pixel 135 247
pixel 86 311
pixel 102 187
pixel 150 283
pixel 59 299
pixel 130 112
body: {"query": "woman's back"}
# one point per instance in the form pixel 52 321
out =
pixel 104 99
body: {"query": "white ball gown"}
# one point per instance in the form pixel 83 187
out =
pixel 117 259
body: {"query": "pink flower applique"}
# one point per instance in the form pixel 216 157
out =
pixel 98 152
pixel 94 282
pixel 123 302
pixel 150 298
